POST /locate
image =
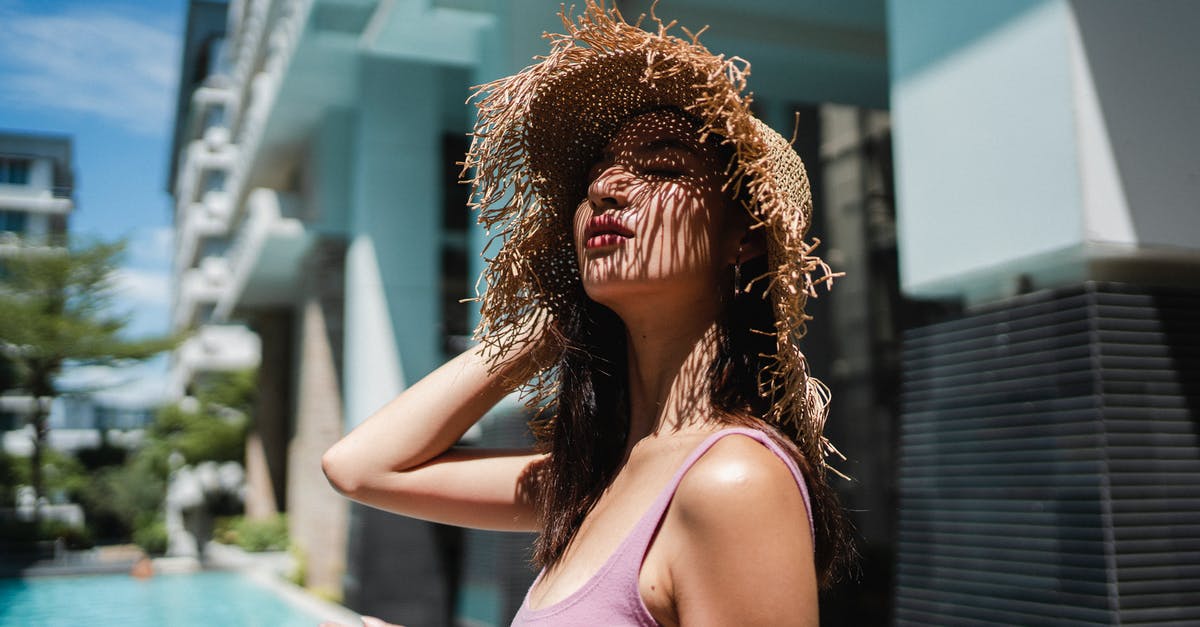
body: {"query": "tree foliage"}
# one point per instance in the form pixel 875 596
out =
pixel 127 499
pixel 57 307
pixel 210 427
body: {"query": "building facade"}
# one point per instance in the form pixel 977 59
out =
pixel 37 181
pixel 962 154
pixel 1049 444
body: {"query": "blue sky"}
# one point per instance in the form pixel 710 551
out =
pixel 104 72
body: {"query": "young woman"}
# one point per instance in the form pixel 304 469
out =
pixel 648 293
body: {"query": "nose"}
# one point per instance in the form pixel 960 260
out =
pixel 610 189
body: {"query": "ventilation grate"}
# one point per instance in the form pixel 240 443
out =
pixel 1050 462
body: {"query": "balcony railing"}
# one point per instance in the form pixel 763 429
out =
pixel 205 284
pixel 213 348
pixel 271 219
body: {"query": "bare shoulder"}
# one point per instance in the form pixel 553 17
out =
pixel 738 550
pixel 739 479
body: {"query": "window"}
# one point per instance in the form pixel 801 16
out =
pixel 13 221
pixel 456 284
pixel 213 181
pixel 214 116
pixel 14 171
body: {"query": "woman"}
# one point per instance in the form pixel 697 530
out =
pixel 648 294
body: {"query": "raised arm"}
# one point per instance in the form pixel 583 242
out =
pixel 402 459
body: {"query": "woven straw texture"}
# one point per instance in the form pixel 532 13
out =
pixel 538 132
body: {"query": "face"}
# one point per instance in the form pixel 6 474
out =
pixel 655 218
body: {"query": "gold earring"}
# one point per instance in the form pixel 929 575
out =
pixel 737 266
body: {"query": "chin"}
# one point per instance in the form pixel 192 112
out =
pixel 610 291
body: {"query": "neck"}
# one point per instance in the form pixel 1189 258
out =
pixel 669 355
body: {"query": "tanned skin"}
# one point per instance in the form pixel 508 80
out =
pixel 731 549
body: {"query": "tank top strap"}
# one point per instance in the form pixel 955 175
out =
pixel 611 596
pixel 632 550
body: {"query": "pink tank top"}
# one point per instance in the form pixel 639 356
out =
pixel 611 597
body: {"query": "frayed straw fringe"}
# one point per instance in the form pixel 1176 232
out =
pixel 521 201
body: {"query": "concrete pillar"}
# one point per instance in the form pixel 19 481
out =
pixel 399 569
pixel 266 444
pixel 392 263
pixel 317 516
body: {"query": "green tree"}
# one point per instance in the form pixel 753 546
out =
pixel 126 499
pixel 56 308
pixel 211 426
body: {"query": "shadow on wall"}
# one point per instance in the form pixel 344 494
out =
pixel 1148 111
pixel 932 37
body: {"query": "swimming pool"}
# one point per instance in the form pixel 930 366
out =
pixel 191 600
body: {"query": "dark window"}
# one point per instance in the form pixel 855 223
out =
pixel 456 285
pixel 213 181
pixel 14 171
pixel 214 116
pixel 13 221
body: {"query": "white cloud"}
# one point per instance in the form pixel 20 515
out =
pixel 137 385
pixel 143 287
pixel 143 283
pixel 151 247
pixel 91 62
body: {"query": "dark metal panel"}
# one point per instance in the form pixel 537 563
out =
pixel 1050 462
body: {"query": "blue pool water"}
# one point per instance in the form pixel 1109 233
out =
pixel 207 598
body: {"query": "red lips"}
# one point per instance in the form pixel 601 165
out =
pixel 605 230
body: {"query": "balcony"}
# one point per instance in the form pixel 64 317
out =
pixel 266 254
pixel 213 348
pixel 51 200
pixel 208 218
pixel 204 163
pixel 214 104
pixel 203 204
pixel 200 286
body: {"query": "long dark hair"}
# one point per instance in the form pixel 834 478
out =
pixel 587 430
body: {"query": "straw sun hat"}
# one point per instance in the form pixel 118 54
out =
pixel 539 131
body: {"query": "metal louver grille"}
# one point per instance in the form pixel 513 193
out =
pixel 1050 462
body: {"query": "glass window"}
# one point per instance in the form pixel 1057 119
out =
pixel 214 181
pixel 14 171
pixel 13 221
pixel 214 116
pixel 455 282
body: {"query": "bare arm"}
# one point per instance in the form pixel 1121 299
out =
pixel 401 458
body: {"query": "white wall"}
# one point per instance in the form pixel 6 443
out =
pixel 1034 138
pixel 1138 95
pixel 985 151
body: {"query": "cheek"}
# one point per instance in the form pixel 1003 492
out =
pixel 692 225
pixel 583 213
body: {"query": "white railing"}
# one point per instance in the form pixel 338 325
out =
pixel 205 284
pixel 201 158
pixel 262 90
pixel 268 214
pixel 208 218
pixel 213 348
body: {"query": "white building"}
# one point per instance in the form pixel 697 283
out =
pixel 1040 145
pixel 36 185
pixel 37 180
